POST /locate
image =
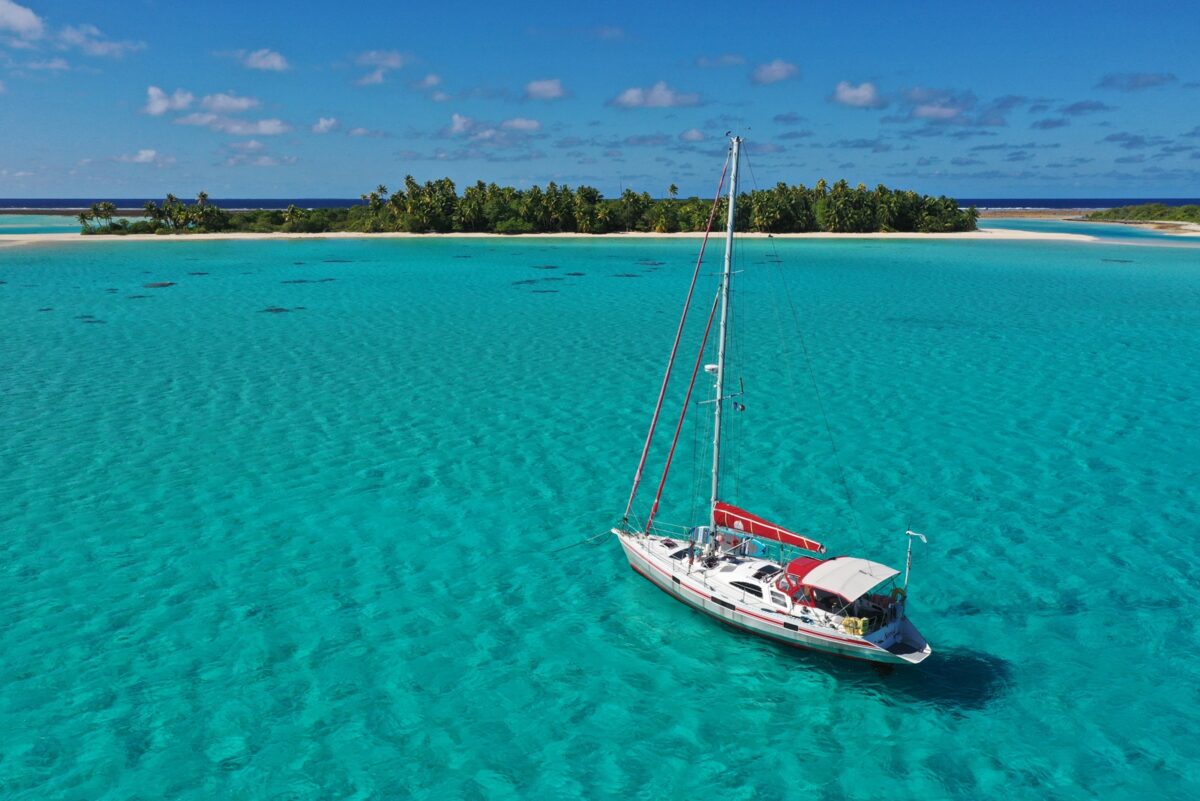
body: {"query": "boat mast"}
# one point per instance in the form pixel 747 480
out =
pixel 716 464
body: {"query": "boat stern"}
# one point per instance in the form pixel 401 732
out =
pixel 908 645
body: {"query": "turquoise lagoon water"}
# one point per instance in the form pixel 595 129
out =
pixel 38 224
pixel 1109 231
pixel 306 553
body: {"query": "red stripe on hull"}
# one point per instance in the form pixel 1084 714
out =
pixel 739 627
pixel 748 613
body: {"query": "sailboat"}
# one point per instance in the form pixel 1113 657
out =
pixel 744 569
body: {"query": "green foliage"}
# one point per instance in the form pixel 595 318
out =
pixel 1148 212
pixel 436 207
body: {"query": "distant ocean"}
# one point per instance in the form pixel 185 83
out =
pixel 67 203
pixel 1069 202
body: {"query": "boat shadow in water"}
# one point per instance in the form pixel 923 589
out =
pixel 953 680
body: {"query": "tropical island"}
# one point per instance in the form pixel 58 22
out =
pixel 1148 212
pixel 437 207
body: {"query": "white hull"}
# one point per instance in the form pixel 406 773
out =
pixel 896 643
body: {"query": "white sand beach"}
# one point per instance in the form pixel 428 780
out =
pixel 989 235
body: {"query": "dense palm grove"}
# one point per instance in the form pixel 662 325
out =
pixel 436 207
pixel 1149 211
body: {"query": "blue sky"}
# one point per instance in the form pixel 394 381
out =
pixel 317 99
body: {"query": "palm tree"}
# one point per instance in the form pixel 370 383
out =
pixel 672 191
pixel 85 220
pixel 201 198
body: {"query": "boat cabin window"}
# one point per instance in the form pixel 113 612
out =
pixel 764 573
pixel 682 553
pixel 748 588
pixel 778 599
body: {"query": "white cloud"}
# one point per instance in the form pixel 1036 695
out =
pixel 265 59
pixel 230 125
pixel 864 95
pixel 545 89
pixel 774 72
pixel 373 77
pixel 159 102
pixel 439 97
pixel 264 160
pixel 388 59
pixel 249 146
pixel 367 132
pixel 935 111
pixel 430 81
pixel 939 105
pixel 19 20
pixel 143 156
pixel 383 61
pixel 521 124
pixel 226 103
pixel 324 125
pixel 692 135
pixel 460 124
pixel 92 41
pixel 658 96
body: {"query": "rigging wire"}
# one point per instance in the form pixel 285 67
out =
pixel 683 412
pixel 662 392
pixel 787 294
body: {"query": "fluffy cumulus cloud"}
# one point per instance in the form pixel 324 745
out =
pixel 864 95
pixel 264 59
pixel 487 137
pixel 143 156
pixel 774 72
pixel 159 102
pixel 938 105
pixel 692 135
pixel 383 62
pixel 657 96
pixel 19 21
pixel 545 89
pixel 1135 81
pixel 92 41
pixel 223 103
pixel 232 125
pixel 324 125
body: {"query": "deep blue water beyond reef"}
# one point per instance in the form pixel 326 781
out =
pixel 282 529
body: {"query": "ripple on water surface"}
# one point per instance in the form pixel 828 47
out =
pixel 269 539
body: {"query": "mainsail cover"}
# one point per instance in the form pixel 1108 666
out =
pixel 729 516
